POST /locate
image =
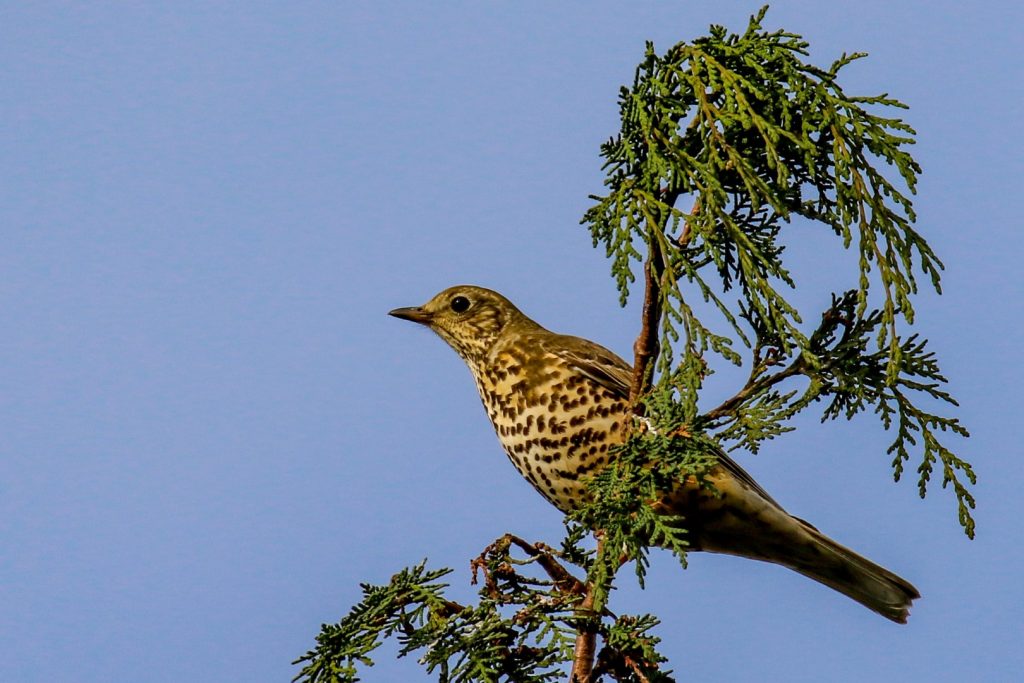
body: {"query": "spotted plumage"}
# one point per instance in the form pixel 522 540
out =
pixel 558 403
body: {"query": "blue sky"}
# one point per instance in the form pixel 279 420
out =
pixel 210 431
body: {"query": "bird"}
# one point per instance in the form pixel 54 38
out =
pixel 559 404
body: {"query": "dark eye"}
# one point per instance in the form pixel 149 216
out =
pixel 460 304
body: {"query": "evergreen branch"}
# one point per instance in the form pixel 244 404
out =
pixel 624 496
pixel 841 368
pixel 756 386
pixel 631 653
pixel 382 612
pixel 856 379
pixel 914 420
pixel 564 581
pixel 705 119
pixel 758 136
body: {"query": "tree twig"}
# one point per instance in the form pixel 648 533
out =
pixel 752 387
pixel 586 635
pixel 832 317
pixel 646 346
pixel 563 578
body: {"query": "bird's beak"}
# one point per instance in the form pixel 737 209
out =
pixel 413 313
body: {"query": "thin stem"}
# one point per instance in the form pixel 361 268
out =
pixel 586 642
pixel 586 635
pixel 563 578
pixel 646 346
pixel 637 670
pixel 754 387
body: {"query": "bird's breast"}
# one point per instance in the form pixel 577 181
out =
pixel 555 424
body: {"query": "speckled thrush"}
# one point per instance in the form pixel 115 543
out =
pixel 558 403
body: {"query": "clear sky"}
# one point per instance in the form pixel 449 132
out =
pixel 210 431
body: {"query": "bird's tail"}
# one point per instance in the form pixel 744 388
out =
pixel 743 520
pixel 853 575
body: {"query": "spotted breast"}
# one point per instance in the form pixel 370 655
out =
pixel 554 421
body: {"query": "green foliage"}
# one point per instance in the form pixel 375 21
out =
pixel 461 643
pixel 630 653
pixel 855 379
pixel 741 129
pixel 625 496
pixel 522 630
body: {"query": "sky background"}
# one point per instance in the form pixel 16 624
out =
pixel 211 433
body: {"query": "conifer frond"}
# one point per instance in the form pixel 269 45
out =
pixel 724 142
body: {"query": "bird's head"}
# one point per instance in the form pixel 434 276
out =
pixel 471 319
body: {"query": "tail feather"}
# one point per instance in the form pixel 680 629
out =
pixel 741 519
pixel 853 575
pixel 770 534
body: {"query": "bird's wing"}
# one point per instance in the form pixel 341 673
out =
pixel 740 475
pixel 608 370
pixel 593 361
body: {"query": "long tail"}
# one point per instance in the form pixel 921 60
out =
pixel 741 519
pixel 853 575
pixel 770 534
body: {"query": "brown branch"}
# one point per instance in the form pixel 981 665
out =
pixel 583 653
pixel 646 346
pixel 450 607
pixel 684 237
pixel 543 554
pixel 565 582
pixel 586 636
pixel 637 669
pixel 619 666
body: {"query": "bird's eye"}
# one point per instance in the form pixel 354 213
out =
pixel 460 304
